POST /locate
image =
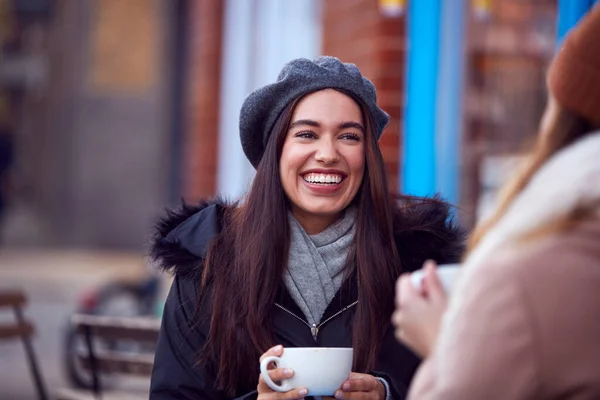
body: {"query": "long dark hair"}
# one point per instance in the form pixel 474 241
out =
pixel 246 262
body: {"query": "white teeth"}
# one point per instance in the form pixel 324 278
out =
pixel 323 178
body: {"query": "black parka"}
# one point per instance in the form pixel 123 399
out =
pixel 422 228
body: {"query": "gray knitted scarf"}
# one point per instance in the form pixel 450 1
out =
pixel 316 264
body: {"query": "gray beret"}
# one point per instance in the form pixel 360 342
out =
pixel 297 78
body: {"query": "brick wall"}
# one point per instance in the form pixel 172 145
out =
pixel 507 57
pixel 91 138
pixel 355 31
pixel 201 139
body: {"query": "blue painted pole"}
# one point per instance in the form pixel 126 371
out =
pixel 419 166
pixel 450 92
pixel 569 13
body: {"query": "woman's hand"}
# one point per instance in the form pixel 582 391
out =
pixel 419 312
pixel 277 374
pixel 361 386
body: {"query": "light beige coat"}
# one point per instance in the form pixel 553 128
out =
pixel 524 320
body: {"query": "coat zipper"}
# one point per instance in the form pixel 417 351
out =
pixel 314 328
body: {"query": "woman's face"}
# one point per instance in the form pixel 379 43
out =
pixel 323 158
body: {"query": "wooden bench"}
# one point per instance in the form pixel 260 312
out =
pixel 23 330
pixel 143 331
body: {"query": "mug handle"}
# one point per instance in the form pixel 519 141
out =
pixel 285 386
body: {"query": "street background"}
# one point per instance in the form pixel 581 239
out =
pixel 54 280
pixel 113 110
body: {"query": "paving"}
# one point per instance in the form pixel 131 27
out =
pixel 53 281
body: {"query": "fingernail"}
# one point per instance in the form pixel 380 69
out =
pixel 288 372
pixel 339 394
pixel 346 386
pixel 303 392
pixel 278 348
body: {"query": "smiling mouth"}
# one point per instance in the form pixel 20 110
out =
pixel 323 179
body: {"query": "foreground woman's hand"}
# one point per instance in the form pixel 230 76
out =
pixel 277 374
pixel 419 312
pixel 361 386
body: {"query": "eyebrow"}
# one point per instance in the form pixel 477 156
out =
pixel 343 125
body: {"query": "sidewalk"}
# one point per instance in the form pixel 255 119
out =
pixel 60 269
pixel 53 281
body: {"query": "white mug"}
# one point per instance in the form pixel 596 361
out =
pixel 322 370
pixel 448 274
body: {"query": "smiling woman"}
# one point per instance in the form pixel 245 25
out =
pixel 323 158
pixel 308 258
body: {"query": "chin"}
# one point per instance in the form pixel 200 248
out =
pixel 325 210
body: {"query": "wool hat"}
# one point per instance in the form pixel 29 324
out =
pixel 297 78
pixel 574 74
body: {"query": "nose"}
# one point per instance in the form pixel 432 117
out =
pixel 327 152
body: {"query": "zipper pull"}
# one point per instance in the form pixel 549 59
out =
pixel 315 331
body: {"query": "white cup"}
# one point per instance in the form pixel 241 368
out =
pixel 448 274
pixel 322 370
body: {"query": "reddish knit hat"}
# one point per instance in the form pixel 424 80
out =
pixel 574 75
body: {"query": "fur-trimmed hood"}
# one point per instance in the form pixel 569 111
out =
pixel 423 229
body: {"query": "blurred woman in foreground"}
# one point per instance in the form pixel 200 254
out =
pixel 523 321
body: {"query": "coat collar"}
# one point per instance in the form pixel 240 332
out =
pixel 423 229
pixel 569 180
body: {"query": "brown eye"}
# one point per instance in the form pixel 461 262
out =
pixel 305 135
pixel 351 136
